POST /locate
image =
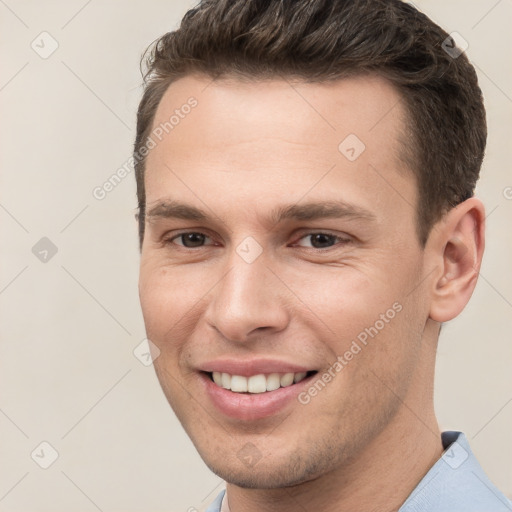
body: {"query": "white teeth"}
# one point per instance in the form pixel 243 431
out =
pixel 226 380
pixel 286 380
pixel 238 383
pixel 299 376
pixel 217 378
pixel 273 382
pixel 256 383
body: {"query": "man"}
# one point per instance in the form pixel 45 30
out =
pixel 305 178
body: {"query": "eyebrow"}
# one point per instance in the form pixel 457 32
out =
pixel 307 211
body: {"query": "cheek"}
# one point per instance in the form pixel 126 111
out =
pixel 170 301
pixel 345 300
pixel 365 318
pixel 169 295
pixel 391 346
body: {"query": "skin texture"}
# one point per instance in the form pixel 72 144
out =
pixel 367 438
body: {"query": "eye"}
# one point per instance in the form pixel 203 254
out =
pixel 189 239
pixel 317 240
pixel 321 240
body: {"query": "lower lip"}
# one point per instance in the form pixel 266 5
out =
pixel 252 406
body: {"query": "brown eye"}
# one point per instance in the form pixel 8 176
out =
pixel 322 240
pixel 191 239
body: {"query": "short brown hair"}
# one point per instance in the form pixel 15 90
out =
pixel 322 40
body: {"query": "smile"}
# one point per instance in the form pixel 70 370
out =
pixel 259 383
pixel 254 396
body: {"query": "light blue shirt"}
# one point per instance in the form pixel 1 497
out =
pixel 455 483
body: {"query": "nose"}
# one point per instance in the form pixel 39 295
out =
pixel 248 301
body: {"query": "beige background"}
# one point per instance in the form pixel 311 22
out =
pixel 69 326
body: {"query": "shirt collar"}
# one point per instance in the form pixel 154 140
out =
pixel 456 483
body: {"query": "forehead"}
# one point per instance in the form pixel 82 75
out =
pixel 251 139
pixel 367 104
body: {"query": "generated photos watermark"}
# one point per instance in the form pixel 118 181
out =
pixel 356 347
pixel 158 133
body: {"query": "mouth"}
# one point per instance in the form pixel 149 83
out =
pixel 253 397
pixel 259 383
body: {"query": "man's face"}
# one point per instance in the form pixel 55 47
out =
pixel 248 293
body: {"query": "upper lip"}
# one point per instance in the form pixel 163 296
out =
pixel 248 367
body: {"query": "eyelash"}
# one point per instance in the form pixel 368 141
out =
pixel 341 241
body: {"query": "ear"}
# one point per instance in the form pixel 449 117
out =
pixel 456 246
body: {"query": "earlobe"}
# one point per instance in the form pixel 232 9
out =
pixel 459 244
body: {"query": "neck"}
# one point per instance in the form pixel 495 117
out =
pixel 379 480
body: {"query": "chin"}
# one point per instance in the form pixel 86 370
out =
pixel 263 478
pixel 268 473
